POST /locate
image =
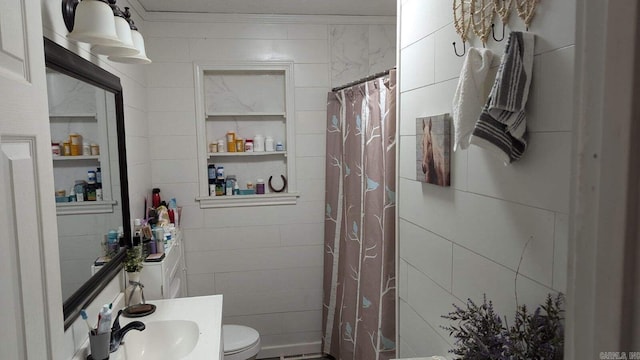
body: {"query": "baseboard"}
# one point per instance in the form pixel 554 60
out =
pixel 288 350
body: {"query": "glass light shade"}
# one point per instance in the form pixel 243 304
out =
pixel 126 48
pixel 94 24
pixel 140 58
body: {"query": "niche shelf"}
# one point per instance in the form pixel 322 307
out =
pixel 79 157
pixel 86 207
pixel 248 98
pixel 249 154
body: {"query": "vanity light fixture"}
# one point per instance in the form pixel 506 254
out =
pixel 123 29
pixel 91 22
pixel 108 29
pixel 138 42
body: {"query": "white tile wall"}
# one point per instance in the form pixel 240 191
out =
pixel 418 57
pixel 427 252
pixel 172 123
pixel 266 261
pixel 311 122
pixel 424 339
pixel 561 253
pixel 476 275
pixel 465 241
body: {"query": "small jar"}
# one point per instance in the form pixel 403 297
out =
pixel 279 146
pixel 269 144
pixel 239 145
pixel 95 149
pixel 55 148
pixel 260 186
pixel 91 176
pixel 86 149
pixel 220 145
pixel 248 145
pixel 76 144
pixel 249 185
pixel 66 148
pixel 213 147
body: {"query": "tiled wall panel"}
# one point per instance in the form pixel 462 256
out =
pixel 466 240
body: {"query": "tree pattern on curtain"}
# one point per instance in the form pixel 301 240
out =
pixel 359 261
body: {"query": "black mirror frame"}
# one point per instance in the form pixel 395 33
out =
pixel 64 61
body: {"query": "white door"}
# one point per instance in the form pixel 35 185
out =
pixel 31 324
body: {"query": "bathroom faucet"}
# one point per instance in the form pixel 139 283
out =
pixel 118 333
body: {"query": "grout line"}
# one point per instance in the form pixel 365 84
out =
pixel 430 278
pixel 422 38
pixel 476 253
pixel 426 322
pixel 494 197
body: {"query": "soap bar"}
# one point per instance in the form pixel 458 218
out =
pixel 155 257
pixel 140 308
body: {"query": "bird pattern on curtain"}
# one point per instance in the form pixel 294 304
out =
pixel 359 261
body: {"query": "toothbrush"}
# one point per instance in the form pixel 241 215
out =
pixel 83 314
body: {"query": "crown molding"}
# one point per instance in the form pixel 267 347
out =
pixel 155 16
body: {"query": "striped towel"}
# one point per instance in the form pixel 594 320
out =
pixel 502 127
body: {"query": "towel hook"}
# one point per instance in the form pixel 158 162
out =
pixel 493 32
pixel 464 49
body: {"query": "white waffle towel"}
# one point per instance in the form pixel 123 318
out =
pixel 471 95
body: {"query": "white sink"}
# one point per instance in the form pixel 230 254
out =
pixel 180 329
pixel 169 339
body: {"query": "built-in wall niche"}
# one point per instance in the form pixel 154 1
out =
pixel 248 99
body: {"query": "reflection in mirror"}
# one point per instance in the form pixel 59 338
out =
pixel 86 100
pixel 88 210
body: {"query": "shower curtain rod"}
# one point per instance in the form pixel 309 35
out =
pixel 364 79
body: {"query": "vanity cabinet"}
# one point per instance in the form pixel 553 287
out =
pixel 166 279
pixel 81 108
pixel 248 99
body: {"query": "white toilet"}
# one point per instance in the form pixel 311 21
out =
pixel 240 342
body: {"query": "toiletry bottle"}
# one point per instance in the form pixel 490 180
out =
pixel 248 145
pixel 211 172
pixel 231 141
pixel 137 226
pixel 112 242
pixel 220 187
pixel 99 185
pixel 229 187
pixel 90 189
pixel 236 188
pixel 79 190
pixel 260 186
pixel 104 324
pixel 155 198
pixel 239 145
pixel 268 144
pixel 258 143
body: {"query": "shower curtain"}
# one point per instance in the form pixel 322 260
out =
pixel 359 260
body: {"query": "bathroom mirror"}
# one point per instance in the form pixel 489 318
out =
pixel 86 100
